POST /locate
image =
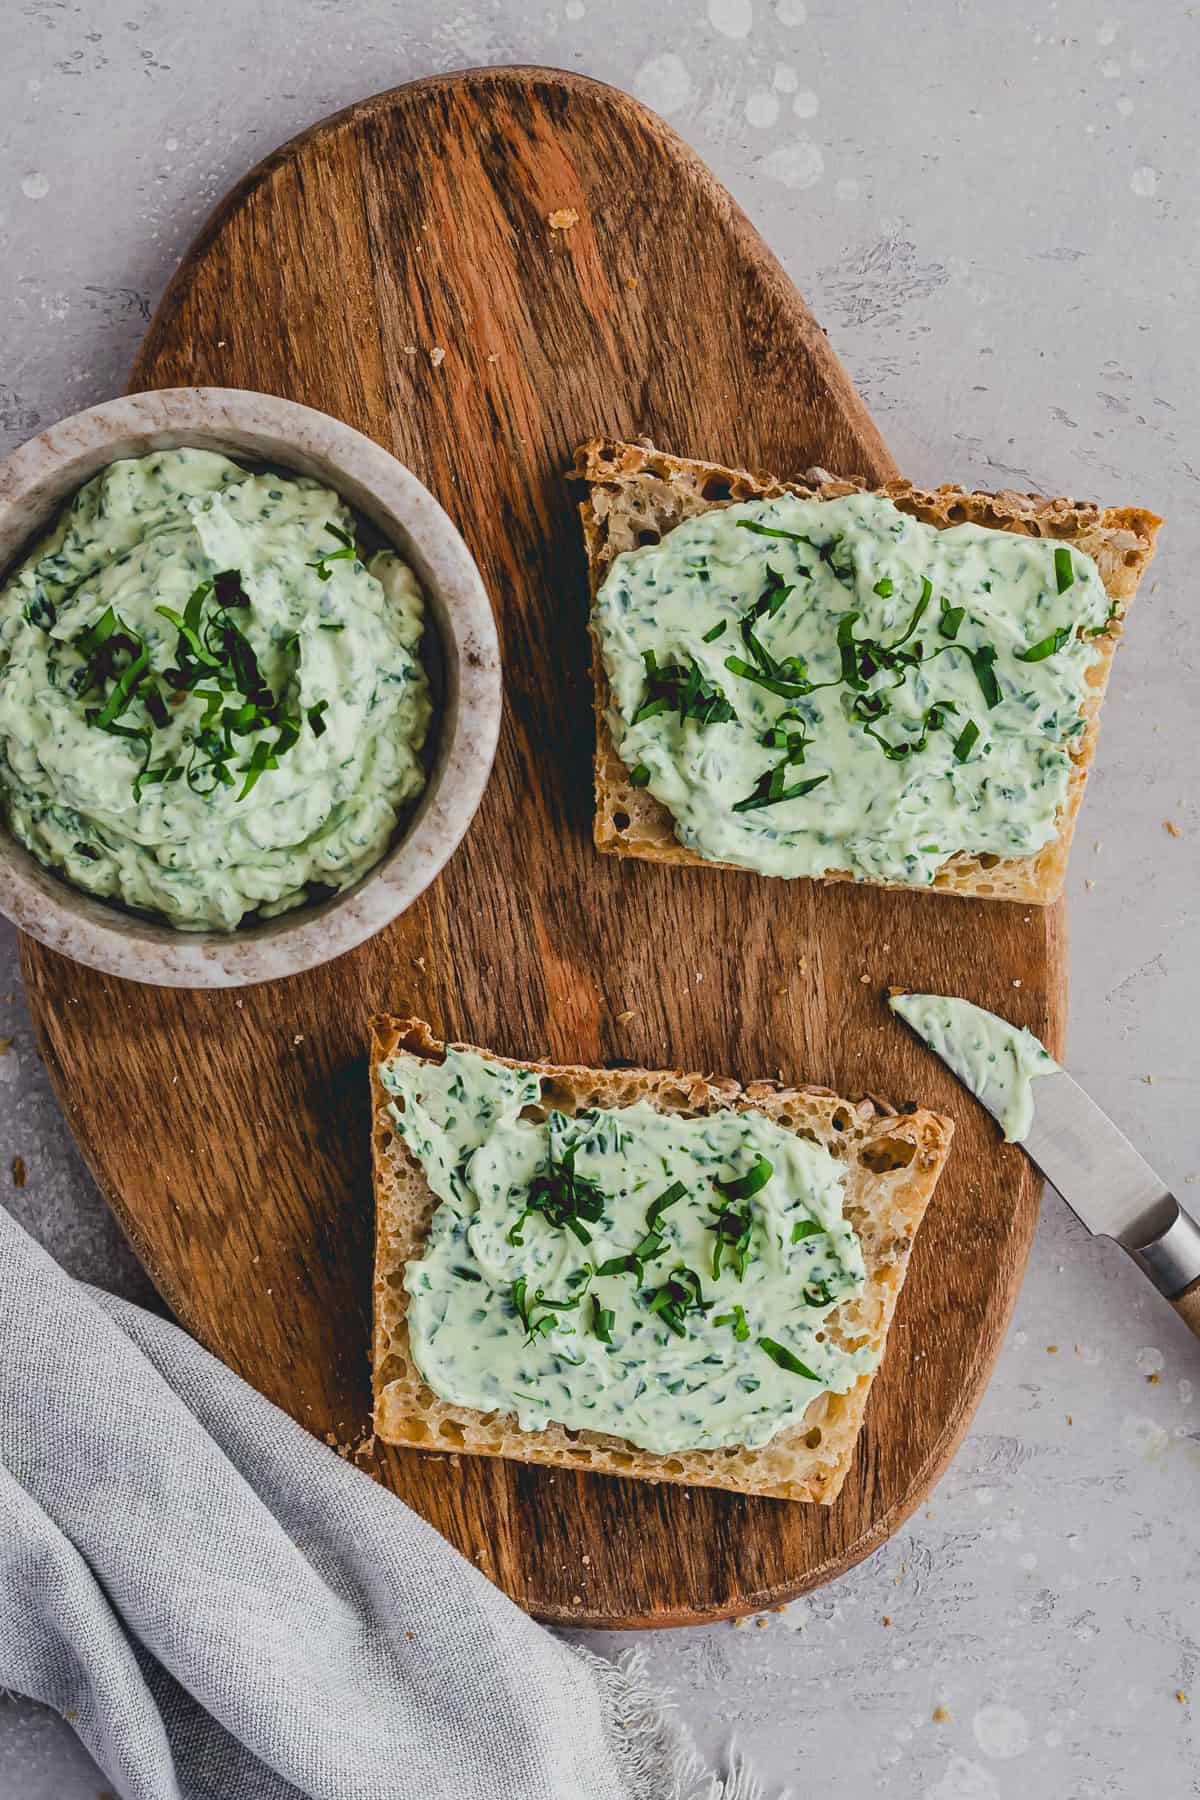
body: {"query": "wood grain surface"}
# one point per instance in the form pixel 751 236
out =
pixel 229 1131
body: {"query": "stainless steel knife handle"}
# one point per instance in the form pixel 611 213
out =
pixel 1172 1261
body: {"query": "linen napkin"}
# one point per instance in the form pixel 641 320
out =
pixel 225 1610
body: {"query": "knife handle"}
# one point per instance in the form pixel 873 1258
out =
pixel 1187 1305
pixel 1172 1261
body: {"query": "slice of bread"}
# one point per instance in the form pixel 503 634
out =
pixel 892 1161
pixel 636 494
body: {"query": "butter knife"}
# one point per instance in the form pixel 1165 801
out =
pixel 1079 1150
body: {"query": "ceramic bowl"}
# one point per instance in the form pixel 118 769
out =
pixel 43 474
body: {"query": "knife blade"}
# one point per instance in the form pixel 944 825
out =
pixel 1106 1182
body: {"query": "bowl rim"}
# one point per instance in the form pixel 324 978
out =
pixel 48 469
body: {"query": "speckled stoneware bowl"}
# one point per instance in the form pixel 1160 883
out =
pixel 44 473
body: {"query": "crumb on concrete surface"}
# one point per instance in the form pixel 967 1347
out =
pixel 19 1171
pixel 1170 826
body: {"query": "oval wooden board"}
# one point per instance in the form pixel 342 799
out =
pixel 230 1132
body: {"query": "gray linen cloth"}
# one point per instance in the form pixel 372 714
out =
pixel 225 1610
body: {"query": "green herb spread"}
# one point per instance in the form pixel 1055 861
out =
pixel 210 705
pixel 820 685
pixel 998 1062
pixel 661 1278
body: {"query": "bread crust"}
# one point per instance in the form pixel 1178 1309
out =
pixel 636 493
pixel 893 1162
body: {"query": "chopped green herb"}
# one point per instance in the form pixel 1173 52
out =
pixel 770 790
pixel 718 630
pixel 966 740
pixel 684 689
pixel 951 618
pixel 773 595
pixel 639 775
pixel 563 1198
pixel 805 1228
pixel 347 553
pixel 1047 646
pixel 1064 568
pixel 981 661
pixel 41 612
pixel 678 1298
pixel 780 1354
pixel 736 1318
pixel 741 1187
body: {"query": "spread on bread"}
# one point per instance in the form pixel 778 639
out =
pixel 812 686
pixel 663 1277
pixel 211 703
pixel 998 1062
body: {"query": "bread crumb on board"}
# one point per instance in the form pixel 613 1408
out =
pixel 563 218
pixel 437 356
pixel 1170 826
pixel 940 1716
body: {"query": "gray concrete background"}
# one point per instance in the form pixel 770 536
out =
pixel 992 209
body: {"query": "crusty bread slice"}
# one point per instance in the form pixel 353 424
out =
pixel 893 1161
pixel 636 494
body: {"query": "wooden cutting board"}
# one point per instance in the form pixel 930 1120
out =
pixel 397 266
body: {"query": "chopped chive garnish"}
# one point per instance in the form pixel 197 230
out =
pixel 769 790
pixel 1114 611
pixel 563 1198
pixel 718 630
pixel 681 688
pixel 41 612
pixel 678 1297
pixel 603 1318
pixel 1047 646
pixel 773 595
pixel 966 740
pixel 788 686
pixel 743 1186
pixel 675 1192
pixel 981 661
pixel 780 1354
pixel 347 553
pixel 736 1318
pixel 805 1228
pixel 1064 568
pixel 639 775
pixel 951 618
pixel 794 537
pixel 883 588
pixel 918 614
